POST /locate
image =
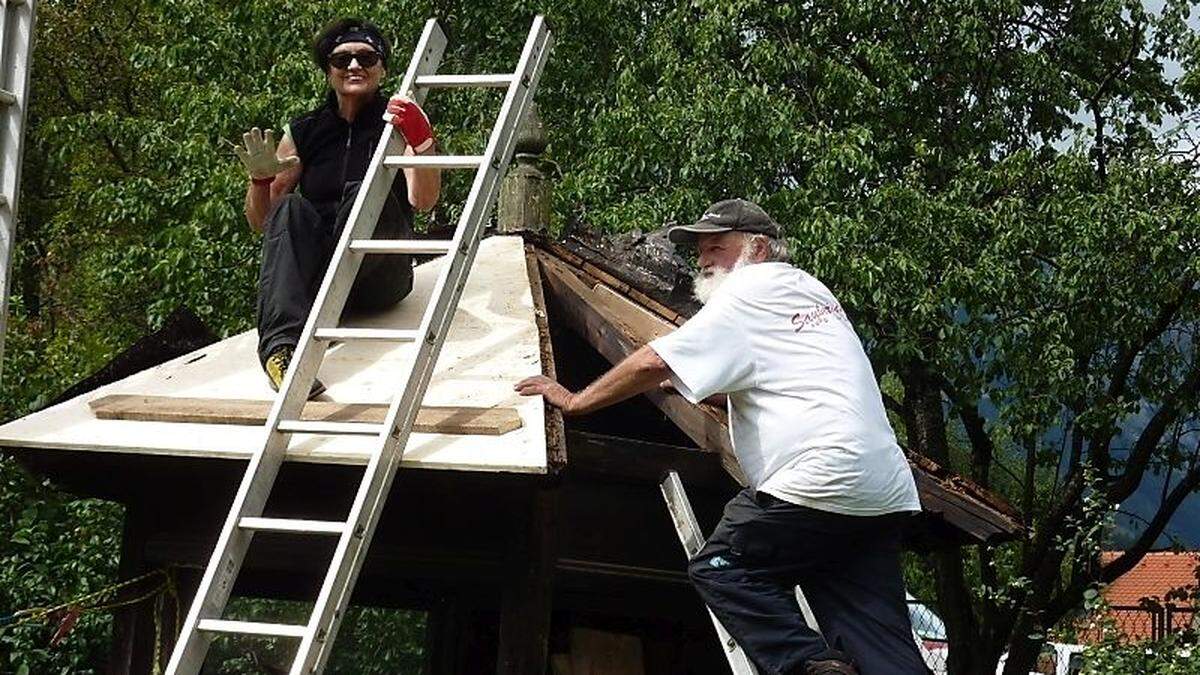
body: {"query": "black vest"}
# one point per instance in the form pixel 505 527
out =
pixel 334 152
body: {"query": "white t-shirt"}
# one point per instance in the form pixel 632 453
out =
pixel 805 414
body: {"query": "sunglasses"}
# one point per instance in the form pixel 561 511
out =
pixel 341 60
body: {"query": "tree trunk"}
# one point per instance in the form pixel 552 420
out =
pixel 1022 651
pixel 954 599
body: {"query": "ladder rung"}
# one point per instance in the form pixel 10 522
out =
pixel 292 525
pixel 252 628
pixel 7 97
pixel 382 334
pixel 416 246
pixel 434 161
pixel 332 428
pixel 447 81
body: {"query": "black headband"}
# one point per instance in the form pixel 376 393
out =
pixel 360 34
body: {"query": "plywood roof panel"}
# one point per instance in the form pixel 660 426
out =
pixel 492 343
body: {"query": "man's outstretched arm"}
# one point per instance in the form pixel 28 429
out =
pixel 637 373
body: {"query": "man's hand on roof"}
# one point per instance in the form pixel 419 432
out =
pixel 258 155
pixel 555 394
pixel 411 120
pixel 636 374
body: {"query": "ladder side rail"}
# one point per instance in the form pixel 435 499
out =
pixel 680 509
pixel 426 60
pixel 403 410
pixel 690 536
pixel 16 52
pixel 233 542
pixel 316 645
pixel 372 493
pixel 4 43
pixel 688 529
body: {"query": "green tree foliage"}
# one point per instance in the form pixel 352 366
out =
pixel 984 183
pixel 1164 657
pixel 53 548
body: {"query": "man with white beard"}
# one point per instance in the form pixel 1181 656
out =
pixel 830 490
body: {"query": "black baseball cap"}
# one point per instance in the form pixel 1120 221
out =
pixel 729 215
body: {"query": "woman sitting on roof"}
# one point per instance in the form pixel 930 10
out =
pixel 325 153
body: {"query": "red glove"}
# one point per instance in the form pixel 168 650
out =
pixel 408 117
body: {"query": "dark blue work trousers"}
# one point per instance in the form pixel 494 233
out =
pixel 298 242
pixel 847 566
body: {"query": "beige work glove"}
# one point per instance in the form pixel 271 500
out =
pixel 258 155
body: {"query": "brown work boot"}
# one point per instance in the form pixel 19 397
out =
pixel 829 667
pixel 276 368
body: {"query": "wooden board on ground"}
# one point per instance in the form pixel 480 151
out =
pixel 595 652
pixel 560 664
pixel 430 419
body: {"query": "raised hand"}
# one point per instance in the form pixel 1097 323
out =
pixel 258 155
pixel 407 116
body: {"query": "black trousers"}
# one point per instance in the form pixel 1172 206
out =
pixel 298 243
pixel 847 566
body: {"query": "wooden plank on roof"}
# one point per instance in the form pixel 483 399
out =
pixel 973 518
pixel 430 419
pixel 556 442
pixel 640 322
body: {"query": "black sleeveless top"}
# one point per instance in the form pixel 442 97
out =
pixel 334 152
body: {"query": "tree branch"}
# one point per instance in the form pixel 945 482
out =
pixel 1161 322
pixel 1143 450
pixel 1127 355
pixel 982 449
pixel 1068 598
pixel 64 88
pixel 923 405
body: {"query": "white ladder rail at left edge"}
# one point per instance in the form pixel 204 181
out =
pixel 17 20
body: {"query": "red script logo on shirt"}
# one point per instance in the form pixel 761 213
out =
pixel 818 316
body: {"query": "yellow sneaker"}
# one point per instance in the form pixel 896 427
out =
pixel 277 367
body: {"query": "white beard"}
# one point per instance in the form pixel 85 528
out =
pixel 705 284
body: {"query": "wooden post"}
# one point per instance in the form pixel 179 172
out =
pixel 128 622
pixel 132 649
pixel 525 193
pixel 444 624
pixel 187 582
pixel 527 595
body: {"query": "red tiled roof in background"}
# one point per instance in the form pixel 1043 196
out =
pixel 1153 577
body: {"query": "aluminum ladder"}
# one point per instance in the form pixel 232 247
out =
pixel 204 619
pixel 689 535
pixel 16 52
